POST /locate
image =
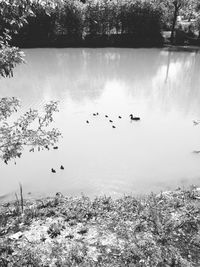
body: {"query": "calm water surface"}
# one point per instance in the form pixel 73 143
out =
pixel 161 87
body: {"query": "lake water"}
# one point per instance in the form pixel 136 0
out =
pixel 156 153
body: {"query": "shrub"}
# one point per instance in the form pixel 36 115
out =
pixel 69 18
pixel 115 22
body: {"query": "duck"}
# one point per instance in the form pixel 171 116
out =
pixel 97 113
pixel 61 167
pixel 110 121
pixel 119 117
pixel 195 122
pixel 87 122
pixel 113 126
pixel 106 116
pixel 134 118
pixel 55 147
pixel 196 151
pixel 52 170
pixel 94 114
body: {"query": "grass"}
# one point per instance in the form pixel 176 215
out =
pixel 162 230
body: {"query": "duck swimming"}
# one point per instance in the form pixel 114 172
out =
pixel 106 116
pixel 52 170
pixel 119 117
pixel 134 118
pixel 110 121
pixel 196 122
pixel 87 121
pixel 113 126
pixel 61 167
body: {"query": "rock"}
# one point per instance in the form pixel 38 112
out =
pixel 196 193
pixel 16 236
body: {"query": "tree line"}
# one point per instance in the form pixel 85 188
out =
pixel 95 22
pixel 103 22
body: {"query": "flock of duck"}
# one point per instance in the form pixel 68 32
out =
pixel 132 118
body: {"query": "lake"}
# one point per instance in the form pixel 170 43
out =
pixel 153 154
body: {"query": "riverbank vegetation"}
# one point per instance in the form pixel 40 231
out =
pixel 124 23
pixel 95 23
pixel 160 230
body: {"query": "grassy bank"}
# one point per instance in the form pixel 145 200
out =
pixel 162 230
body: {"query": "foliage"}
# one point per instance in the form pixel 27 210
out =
pixel 142 20
pixel 13 14
pixel 171 9
pixel 30 129
pixel 100 17
pixel 9 58
pixel 39 26
pixel 12 17
pixel 69 19
pixel 160 230
pixel 73 20
pixel 51 22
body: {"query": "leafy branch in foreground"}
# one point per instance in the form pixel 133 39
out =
pixel 9 58
pixel 31 129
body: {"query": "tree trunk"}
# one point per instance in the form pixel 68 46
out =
pixel 177 6
pixel 176 9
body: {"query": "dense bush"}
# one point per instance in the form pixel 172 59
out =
pixel 69 21
pixel 39 26
pixel 101 17
pixel 97 22
pixel 141 21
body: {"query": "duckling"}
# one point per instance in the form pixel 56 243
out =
pixel 195 122
pixel 196 151
pixel 52 170
pixel 110 121
pixel 61 167
pixel 134 118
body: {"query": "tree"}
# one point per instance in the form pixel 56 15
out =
pixel 177 5
pixel 172 8
pixel 31 129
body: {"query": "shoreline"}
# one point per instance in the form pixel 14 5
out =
pixel 77 231
pixel 166 46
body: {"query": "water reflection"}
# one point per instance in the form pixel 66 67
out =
pixel 158 85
